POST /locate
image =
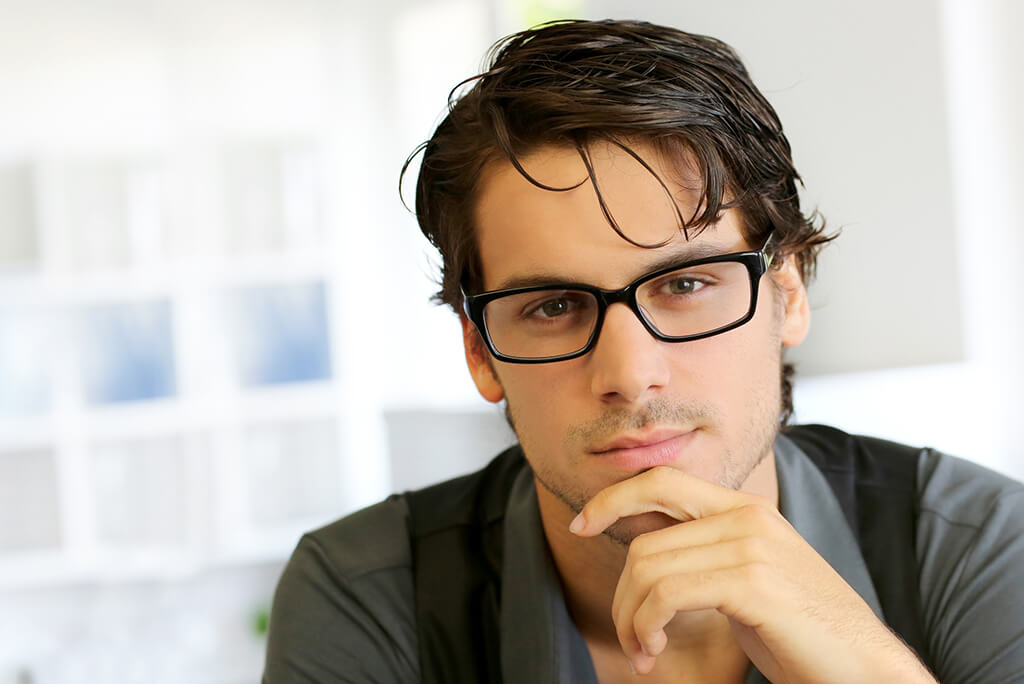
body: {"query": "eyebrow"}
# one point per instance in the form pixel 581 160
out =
pixel 686 253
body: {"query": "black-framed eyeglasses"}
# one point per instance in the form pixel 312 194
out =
pixel 686 301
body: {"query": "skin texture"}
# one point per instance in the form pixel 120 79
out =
pixel 687 567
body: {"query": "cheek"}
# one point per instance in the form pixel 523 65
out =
pixel 537 395
pixel 760 359
pixel 732 371
pixel 711 372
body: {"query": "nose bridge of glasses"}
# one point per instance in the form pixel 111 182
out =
pixel 624 296
pixel 627 296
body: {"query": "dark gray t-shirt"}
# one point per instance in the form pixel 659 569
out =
pixel 344 608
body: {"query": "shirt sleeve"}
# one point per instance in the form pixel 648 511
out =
pixel 343 610
pixel 970 548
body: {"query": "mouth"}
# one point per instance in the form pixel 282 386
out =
pixel 647 450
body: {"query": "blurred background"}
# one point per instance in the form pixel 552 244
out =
pixel 215 331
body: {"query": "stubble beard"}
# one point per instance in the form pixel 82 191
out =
pixel 735 465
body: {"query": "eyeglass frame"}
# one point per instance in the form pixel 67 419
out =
pixel 757 262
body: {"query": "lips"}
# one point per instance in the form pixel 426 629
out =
pixel 654 448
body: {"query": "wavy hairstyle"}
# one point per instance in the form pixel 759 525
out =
pixel 574 83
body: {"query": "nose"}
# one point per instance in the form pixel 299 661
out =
pixel 628 364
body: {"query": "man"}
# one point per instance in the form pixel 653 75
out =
pixel 617 213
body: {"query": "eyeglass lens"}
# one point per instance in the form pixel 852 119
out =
pixel 553 322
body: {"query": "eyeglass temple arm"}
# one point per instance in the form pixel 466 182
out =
pixel 766 255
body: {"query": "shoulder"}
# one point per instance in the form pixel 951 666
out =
pixel 967 530
pixel 963 493
pixel 954 501
pixel 343 609
pixel 369 541
pixel 871 461
pixel 967 515
pixel 970 549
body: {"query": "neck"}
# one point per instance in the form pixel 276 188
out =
pixel 590 568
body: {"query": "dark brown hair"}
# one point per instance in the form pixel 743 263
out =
pixel 573 83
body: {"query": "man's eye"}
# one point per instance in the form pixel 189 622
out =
pixel 683 286
pixel 552 308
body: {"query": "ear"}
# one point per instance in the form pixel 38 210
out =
pixel 796 314
pixel 478 359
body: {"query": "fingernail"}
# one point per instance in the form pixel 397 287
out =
pixel 577 524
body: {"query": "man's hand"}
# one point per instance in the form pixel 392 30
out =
pixel 793 615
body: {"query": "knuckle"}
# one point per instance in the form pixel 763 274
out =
pixel 663 590
pixel 664 481
pixel 642 569
pixel 640 546
pixel 662 472
pixel 753 549
pixel 758 514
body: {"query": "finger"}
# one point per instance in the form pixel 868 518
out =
pixel 727 590
pixel 641 660
pixel 752 520
pixel 642 655
pixel 641 631
pixel 643 663
pixel 666 490
pixel 641 574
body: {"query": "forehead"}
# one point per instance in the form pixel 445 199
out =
pixel 526 232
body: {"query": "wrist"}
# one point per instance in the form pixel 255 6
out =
pixel 901 664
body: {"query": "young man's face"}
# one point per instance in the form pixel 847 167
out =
pixel 709 407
